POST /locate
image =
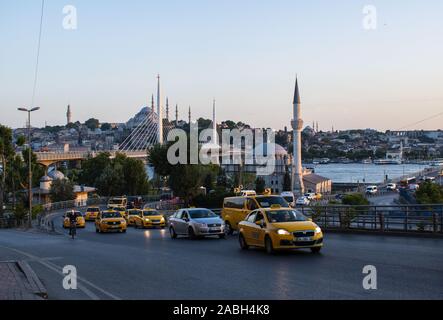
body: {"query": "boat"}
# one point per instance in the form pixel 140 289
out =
pixel 366 161
pixel 388 161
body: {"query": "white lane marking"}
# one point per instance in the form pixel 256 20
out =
pixel 58 269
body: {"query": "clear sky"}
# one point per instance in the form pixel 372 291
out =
pixel 245 53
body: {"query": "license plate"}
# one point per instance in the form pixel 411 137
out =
pixel 304 239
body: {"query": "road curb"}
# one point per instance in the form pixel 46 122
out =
pixel 390 233
pixel 36 285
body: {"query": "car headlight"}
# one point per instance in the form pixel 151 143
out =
pixel 202 225
pixel 283 232
pixel 147 220
pixel 318 230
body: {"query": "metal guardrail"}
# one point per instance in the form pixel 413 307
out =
pixel 398 218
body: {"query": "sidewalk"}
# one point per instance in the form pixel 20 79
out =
pixel 19 282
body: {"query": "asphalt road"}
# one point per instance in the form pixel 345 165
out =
pixel 147 264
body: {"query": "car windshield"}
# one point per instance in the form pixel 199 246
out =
pixel 150 213
pixel 267 202
pixel 199 214
pixel 78 214
pixel 289 198
pixel 92 210
pixel 115 201
pixel 134 212
pixel 107 215
pixel 285 216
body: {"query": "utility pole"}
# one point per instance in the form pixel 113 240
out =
pixel 29 163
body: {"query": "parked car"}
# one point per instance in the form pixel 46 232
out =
pixel 303 201
pixel 195 222
pixel 372 190
pixel 391 187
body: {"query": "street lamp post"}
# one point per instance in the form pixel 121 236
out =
pixel 29 163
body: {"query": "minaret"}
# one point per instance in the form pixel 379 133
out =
pixel 159 113
pixel 214 125
pixel 297 125
pixel 167 108
pixel 69 115
pixel 176 114
pixel 189 116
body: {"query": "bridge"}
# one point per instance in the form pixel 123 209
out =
pixel 136 145
pixel 49 158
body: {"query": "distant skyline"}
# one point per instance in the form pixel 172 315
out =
pixel 245 54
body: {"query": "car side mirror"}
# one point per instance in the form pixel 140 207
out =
pixel 310 219
pixel 260 223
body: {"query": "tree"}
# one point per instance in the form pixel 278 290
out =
pixel 62 190
pixel 208 182
pixel 429 193
pixel 92 168
pixel 111 181
pixel 355 199
pixel 92 123
pixel 118 176
pixel 260 185
pixel 6 154
pixel 158 158
pixel 185 181
pixel 136 179
pixel 105 126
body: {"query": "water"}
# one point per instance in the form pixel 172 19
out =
pixel 369 173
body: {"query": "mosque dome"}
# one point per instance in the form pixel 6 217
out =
pixel 46 179
pixel 266 147
pixel 56 175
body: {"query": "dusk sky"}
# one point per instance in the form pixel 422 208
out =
pixel 245 53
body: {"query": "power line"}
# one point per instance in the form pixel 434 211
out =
pixel 38 54
pixel 421 121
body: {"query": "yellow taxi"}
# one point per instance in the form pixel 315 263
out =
pixel 235 209
pixel 123 212
pixel 132 214
pixel 150 218
pixel 92 213
pixel 81 223
pixel 279 228
pixel 110 221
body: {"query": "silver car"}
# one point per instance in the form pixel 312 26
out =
pixel 196 223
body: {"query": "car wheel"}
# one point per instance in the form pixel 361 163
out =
pixel 228 228
pixel 172 233
pixel 191 233
pixel 124 231
pixel 316 249
pixel 242 241
pixel 268 245
pixel 222 236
